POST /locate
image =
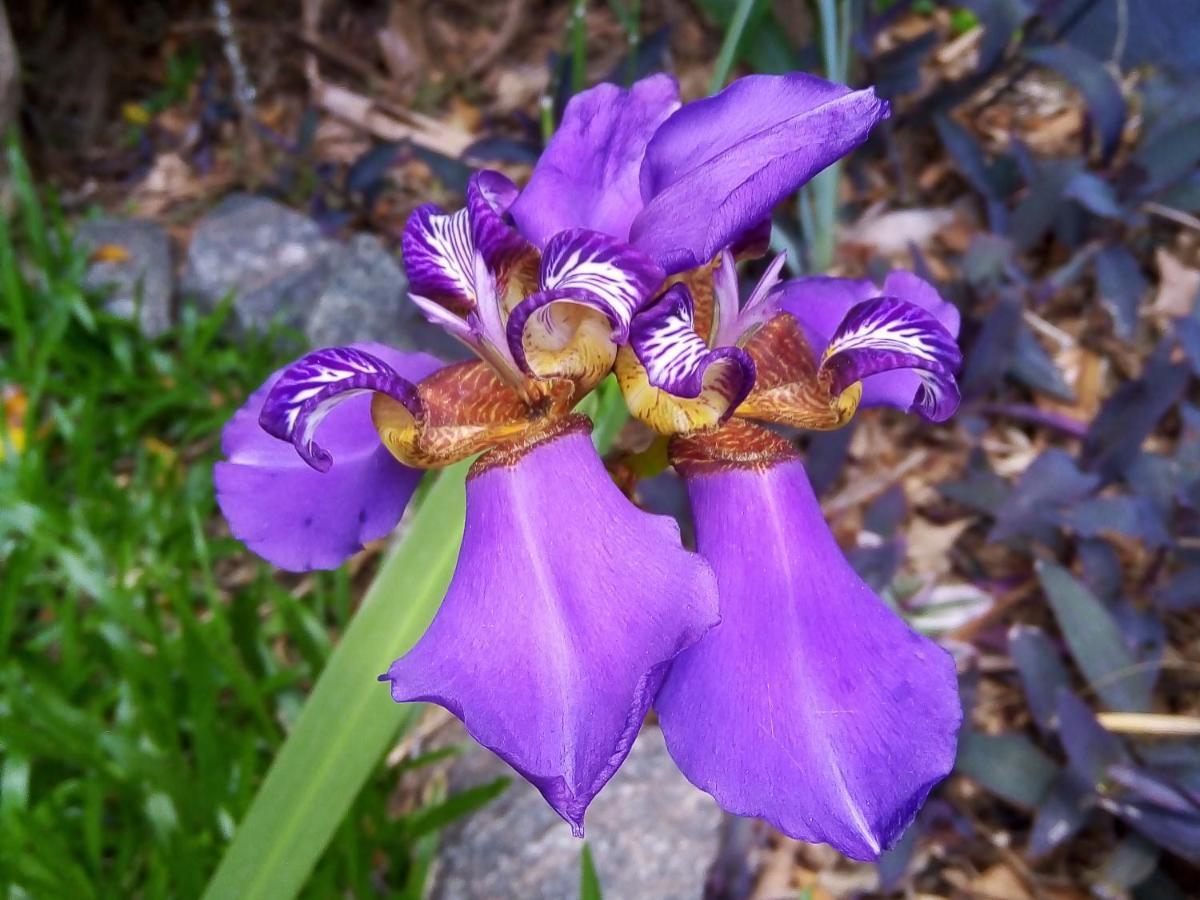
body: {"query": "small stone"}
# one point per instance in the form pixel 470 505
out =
pixel 273 260
pixel 653 835
pixel 130 261
pixel 366 299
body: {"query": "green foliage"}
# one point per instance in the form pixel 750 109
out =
pixel 589 881
pixel 150 668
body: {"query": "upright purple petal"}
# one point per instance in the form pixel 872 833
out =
pixel 489 197
pixel 821 304
pixel 566 607
pixel 718 166
pixel 812 704
pixel 439 256
pixel 297 517
pixel 589 175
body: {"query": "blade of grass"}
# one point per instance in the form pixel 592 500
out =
pixel 349 721
pixel 579 46
pixel 733 37
pixel 589 881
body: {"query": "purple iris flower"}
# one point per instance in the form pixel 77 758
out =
pixel 785 687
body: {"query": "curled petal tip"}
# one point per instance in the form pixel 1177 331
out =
pixel 310 388
pixel 300 518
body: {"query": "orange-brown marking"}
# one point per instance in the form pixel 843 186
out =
pixel 735 445
pixel 789 388
pixel 511 453
pixel 466 409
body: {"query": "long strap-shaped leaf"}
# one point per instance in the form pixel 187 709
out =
pixel 349 721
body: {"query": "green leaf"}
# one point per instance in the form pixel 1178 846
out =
pixel 1095 641
pixel 589 883
pixel 349 721
pixel 433 818
pixel 1008 765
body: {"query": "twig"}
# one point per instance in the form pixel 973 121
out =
pixel 1153 724
pixel 867 490
pixel 514 14
pixel 1175 215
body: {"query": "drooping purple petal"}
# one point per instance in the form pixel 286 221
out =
pixel 309 389
pixel 812 704
pixel 489 196
pixel 566 607
pixel 590 269
pixel 439 256
pixel 676 359
pixel 588 176
pixel 718 166
pixel 888 334
pixel 297 517
pixel 820 304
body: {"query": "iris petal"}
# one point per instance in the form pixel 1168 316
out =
pixel 439 256
pixel 566 607
pixel 812 704
pixel 672 381
pixel 718 166
pixel 820 304
pixel 588 176
pixel 489 196
pixel 308 390
pixel 591 287
pixel 888 334
pixel 297 517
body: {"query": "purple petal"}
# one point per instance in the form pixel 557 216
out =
pixel 675 358
pixel 812 704
pixel 309 389
pixel 718 166
pixel 888 334
pixel 439 256
pixel 566 607
pixel 489 196
pixel 820 304
pixel 736 322
pixel 299 518
pixel 901 388
pixel 590 269
pixel 588 176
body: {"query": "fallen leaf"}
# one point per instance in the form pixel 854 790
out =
pixel 893 232
pixel 1178 286
pixel 999 883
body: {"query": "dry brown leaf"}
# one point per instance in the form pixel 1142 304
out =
pixel 929 544
pixel 891 233
pixel 1177 286
pixel 999 883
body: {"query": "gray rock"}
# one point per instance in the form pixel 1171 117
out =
pixel 652 835
pixel 366 299
pixel 274 261
pixel 139 286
